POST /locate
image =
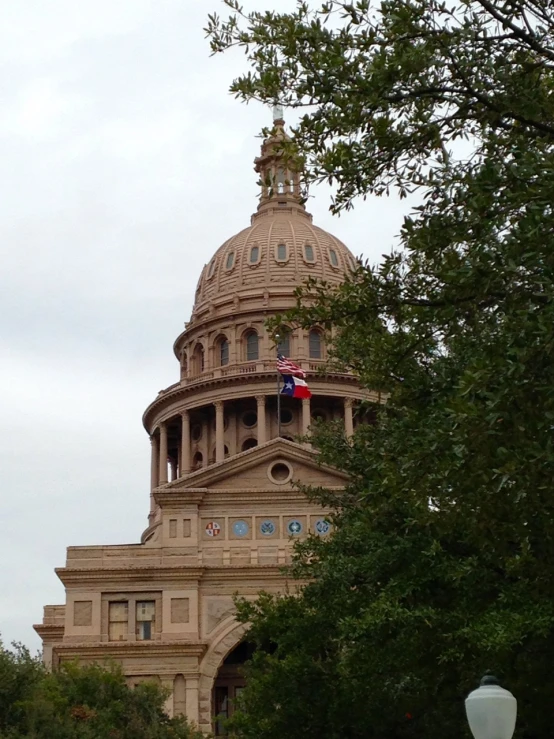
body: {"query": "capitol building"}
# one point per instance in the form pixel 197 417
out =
pixel 224 512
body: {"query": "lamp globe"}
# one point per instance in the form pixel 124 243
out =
pixel 491 710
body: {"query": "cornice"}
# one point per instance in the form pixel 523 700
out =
pixel 254 379
pixel 119 650
pixel 128 573
pixel 165 496
pixel 178 498
pixel 49 632
pixel 181 573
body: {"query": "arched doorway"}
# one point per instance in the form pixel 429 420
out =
pixel 228 683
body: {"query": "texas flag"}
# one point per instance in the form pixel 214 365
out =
pixel 295 387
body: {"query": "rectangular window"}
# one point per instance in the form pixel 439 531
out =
pixel 309 252
pixel 230 260
pixel 333 257
pixel 118 618
pixel 254 254
pixel 281 252
pixel 146 618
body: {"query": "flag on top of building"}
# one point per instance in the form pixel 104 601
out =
pixel 287 367
pixel 295 387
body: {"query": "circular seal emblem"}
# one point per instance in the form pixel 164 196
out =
pixel 213 528
pixel 322 526
pixel 240 528
pixel 267 528
pixel 294 527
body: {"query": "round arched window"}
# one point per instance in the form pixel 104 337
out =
pixel 314 341
pixel 283 346
pixel 249 444
pixel 223 352
pixel 252 348
pixel 198 358
pixel 319 415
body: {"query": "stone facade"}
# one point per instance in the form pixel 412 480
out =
pixel 224 511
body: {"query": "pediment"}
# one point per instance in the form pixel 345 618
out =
pixel 264 467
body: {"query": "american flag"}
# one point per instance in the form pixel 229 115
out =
pixel 286 367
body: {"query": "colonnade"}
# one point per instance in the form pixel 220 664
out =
pixel 182 466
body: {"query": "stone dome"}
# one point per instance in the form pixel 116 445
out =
pixel 280 249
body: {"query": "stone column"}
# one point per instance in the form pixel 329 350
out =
pixel 154 462
pixel 348 417
pixel 233 430
pixel 185 443
pixel 154 468
pixel 192 711
pixel 206 443
pixel 262 429
pixel 306 416
pixel 234 349
pixel 219 430
pixel 173 468
pixel 167 683
pixel 163 454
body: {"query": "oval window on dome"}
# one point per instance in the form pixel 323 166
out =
pixel 211 269
pixel 333 257
pixel 254 254
pixel 281 252
pixel 309 253
pixel 230 260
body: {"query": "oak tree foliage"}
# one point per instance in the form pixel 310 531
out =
pixel 441 564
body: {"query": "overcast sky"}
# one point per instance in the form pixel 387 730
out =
pixel 125 165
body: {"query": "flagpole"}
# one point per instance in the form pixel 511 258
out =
pixel 278 391
pixel 278 404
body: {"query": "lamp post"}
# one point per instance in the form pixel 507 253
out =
pixel 491 710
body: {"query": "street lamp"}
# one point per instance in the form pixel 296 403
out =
pixel 491 710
